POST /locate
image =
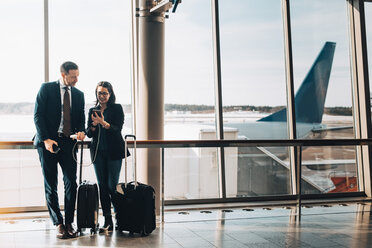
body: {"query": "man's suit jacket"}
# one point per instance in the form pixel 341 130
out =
pixel 47 113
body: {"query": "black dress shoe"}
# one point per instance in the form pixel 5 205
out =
pixel 70 231
pixel 61 231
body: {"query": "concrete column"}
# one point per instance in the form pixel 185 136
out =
pixel 150 94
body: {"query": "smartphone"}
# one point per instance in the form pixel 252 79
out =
pixel 98 112
pixel 56 149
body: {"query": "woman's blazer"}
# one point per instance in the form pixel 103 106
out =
pixel 114 115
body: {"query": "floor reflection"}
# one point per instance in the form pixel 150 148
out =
pixel 336 225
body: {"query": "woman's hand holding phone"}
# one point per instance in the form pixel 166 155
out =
pixel 97 112
pixel 97 117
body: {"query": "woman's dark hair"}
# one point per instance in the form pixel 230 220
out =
pixel 109 88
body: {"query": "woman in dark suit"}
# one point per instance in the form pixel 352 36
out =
pixel 105 123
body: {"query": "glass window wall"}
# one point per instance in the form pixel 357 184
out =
pixel 253 74
pixel 21 178
pixel 321 62
pixel 254 96
pixel 189 82
pixel 95 35
pixel 329 170
pixel 21 66
pixel 257 171
pixel 191 173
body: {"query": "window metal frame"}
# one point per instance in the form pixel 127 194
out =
pixel 360 90
pixel 356 18
pixel 361 106
pixel 218 96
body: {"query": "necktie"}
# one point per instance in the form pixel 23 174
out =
pixel 66 113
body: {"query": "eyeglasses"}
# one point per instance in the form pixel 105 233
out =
pixel 103 93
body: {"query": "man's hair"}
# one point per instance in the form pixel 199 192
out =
pixel 67 66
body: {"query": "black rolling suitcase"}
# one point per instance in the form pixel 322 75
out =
pixel 134 202
pixel 87 202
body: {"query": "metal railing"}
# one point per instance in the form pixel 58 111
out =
pixel 215 143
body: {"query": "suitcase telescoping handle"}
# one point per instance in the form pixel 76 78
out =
pixel 134 158
pixel 81 160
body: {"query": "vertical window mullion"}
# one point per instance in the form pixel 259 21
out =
pixel 291 113
pixel 218 95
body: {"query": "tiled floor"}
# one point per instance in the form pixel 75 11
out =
pixel 319 226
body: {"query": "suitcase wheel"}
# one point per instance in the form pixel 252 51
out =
pixel 144 233
pixel 119 229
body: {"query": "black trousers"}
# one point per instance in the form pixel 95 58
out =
pixel 107 173
pixel 49 167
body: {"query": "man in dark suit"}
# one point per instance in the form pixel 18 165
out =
pixel 59 112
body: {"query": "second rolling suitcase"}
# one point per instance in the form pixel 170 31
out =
pixel 135 203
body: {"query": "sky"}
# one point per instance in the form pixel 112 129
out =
pixel 96 35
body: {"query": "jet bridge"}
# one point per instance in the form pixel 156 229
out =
pixel 261 172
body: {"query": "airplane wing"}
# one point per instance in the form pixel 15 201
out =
pixel 327 164
pixel 329 161
pixel 325 128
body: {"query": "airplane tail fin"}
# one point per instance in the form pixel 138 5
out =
pixel 310 97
